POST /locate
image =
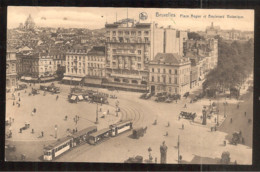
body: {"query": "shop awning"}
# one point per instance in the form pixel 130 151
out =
pixel 76 79
pixel 80 97
pixel 34 79
pixel 93 81
pixel 22 77
pixel 27 78
pixel 66 78
pixel 47 79
pixel 73 97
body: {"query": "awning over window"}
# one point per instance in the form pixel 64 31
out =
pixel 66 78
pixel 76 79
pixel 93 81
pixel 80 97
pixel 47 79
pixel 27 78
pixel 73 97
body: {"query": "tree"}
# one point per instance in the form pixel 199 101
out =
pixel 195 36
pixel 225 158
pixel 60 72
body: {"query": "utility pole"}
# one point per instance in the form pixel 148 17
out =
pixel 178 149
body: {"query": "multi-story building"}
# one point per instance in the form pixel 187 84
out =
pixel 76 65
pixel 96 66
pixel 130 46
pixel 11 74
pixel 37 66
pixel 169 73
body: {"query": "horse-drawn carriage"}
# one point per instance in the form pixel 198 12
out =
pixel 236 138
pixel 139 132
pixel 188 115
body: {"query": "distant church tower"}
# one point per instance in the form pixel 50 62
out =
pixel 29 23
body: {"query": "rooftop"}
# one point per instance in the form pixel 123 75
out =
pixel 168 58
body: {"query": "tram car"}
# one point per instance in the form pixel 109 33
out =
pixel 57 148
pixel 99 136
pixel 120 127
pixel 66 143
pixel 99 99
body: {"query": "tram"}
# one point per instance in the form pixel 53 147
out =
pixel 66 143
pixel 99 136
pixel 120 127
pixel 57 148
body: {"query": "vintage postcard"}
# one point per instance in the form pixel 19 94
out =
pixel 129 85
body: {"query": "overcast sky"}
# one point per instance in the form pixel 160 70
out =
pixel 95 18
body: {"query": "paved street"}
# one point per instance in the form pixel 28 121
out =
pixel 195 139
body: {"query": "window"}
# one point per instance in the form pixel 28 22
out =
pixel 164 79
pixel 139 51
pixel 170 89
pixel 139 59
pixel 139 66
pixel 158 70
pixel 176 91
pixel 79 70
pixel 164 71
pixel 175 71
pixel 114 33
pixel 132 32
pixel 139 33
pixel 120 33
pixel 108 32
pixel 108 39
pixel 121 39
pixel 152 78
pixel 170 71
pixel 126 32
pixel 158 79
pixel 152 69
pixel 114 63
pixel 79 58
pixel 175 81
pixel 114 39
pixel 170 80
pixel 68 69
pixel 50 63
pixel 146 39
pixel 146 33
pixel 127 40
pixel 84 71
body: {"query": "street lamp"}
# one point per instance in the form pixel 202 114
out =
pixel 97 114
pixel 56 128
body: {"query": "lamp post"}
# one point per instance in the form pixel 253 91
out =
pixel 56 128
pixel 97 114
pixel 178 149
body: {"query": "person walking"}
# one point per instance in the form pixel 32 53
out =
pixel 32 131
pixel 245 113
pixel 42 134
pixel 19 99
pixel 13 103
pixel 182 126
pixel 230 120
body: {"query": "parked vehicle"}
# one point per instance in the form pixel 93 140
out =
pixel 139 132
pixel 137 159
pixel 22 86
pixel 188 115
pixel 236 138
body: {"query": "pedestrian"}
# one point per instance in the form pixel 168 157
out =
pixel 42 134
pixel 179 117
pixel 13 103
pixel 18 104
pixel 76 129
pixel 19 99
pixel 13 119
pixel 66 117
pixel 245 113
pixel 155 159
pixel 32 131
pixel 166 133
pixel 237 106
pixel 108 112
pixel 230 120
pixel 24 91
pixel 183 126
pixel 21 130
pixel 243 140
pixel 240 132
pixel 168 124
pixel 185 106
pixel 176 101
pixel 57 97
pixel 225 143
pixel 100 110
pixel 18 94
pixel 215 120
pixel 34 110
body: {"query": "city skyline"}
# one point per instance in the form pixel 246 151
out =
pixel 87 17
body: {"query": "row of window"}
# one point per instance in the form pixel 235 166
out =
pixel 159 88
pixel 132 60
pixel 182 71
pixel 133 33
pixel 115 51
pixel 164 79
pixel 114 65
pixel 75 70
pixel 127 40
pixel 90 58
pixel 89 64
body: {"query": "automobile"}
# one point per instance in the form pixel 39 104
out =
pixel 186 94
pixel 11 148
pixel 137 159
pixel 22 86
pixel 168 100
pixel 148 96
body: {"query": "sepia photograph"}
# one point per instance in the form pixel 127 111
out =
pixel 129 85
